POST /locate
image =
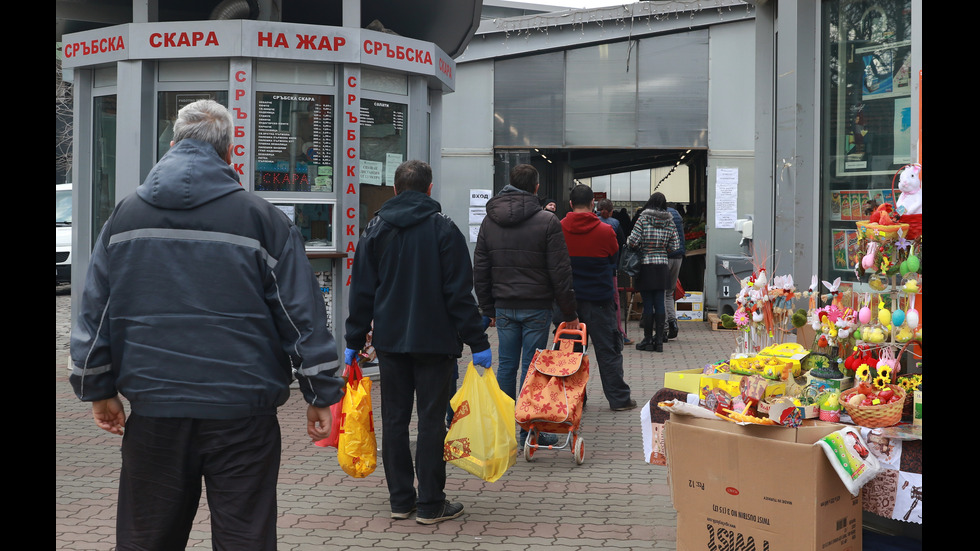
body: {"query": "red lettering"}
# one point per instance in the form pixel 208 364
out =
pixel 350 188
pixel 239 113
pixel 305 42
pixel 351 212
pixel 350 262
pixel 240 76
pixel 352 82
pixel 350 247
pixel 239 150
pixel 351 98
pixel 264 39
pixel 240 168
pixel 351 153
pixel 348 281
pixel 350 229
pixel 325 43
pixel 338 42
pixel 350 171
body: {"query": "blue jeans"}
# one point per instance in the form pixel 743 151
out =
pixel 520 333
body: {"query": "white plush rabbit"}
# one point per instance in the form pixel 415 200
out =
pixel 910 182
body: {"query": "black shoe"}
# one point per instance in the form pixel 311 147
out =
pixel 673 329
pixel 644 344
pixel 447 511
pixel 628 406
pixel 403 515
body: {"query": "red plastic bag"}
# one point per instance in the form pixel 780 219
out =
pixel 351 373
pixel 678 291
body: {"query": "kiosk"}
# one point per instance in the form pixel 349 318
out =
pixel 324 114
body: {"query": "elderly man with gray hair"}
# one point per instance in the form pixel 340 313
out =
pixel 200 307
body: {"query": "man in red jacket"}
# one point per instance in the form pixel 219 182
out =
pixel 593 248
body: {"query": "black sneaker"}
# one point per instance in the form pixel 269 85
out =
pixel 447 511
pixel 628 406
pixel 403 515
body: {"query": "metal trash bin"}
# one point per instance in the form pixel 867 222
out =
pixel 730 269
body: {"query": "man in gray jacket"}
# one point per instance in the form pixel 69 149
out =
pixel 200 307
pixel 521 266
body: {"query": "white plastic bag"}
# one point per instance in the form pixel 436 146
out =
pixel 850 457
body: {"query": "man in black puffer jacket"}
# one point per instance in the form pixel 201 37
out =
pixel 521 266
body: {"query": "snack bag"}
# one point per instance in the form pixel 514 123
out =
pixel 849 456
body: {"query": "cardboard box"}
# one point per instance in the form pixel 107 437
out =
pixel 685 380
pixel 836 385
pixel 691 307
pixel 731 383
pixel 758 488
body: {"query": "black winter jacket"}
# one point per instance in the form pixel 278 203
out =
pixel 199 300
pixel 412 276
pixel 521 260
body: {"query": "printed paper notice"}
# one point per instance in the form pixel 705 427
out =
pixel 477 214
pixel 726 197
pixel 392 161
pixel 474 233
pixel 371 172
pixel 479 197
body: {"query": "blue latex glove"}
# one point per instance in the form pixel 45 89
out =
pixel 349 355
pixel 483 358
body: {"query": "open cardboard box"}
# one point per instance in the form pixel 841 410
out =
pixel 758 487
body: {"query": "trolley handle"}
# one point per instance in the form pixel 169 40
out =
pixel 564 330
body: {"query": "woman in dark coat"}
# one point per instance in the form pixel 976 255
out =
pixel 654 234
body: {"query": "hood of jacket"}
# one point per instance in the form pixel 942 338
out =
pixel 580 222
pixel 408 208
pixel 659 218
pixel 188 176
pixel 512 206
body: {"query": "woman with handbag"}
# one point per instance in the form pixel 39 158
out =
pixel 654 234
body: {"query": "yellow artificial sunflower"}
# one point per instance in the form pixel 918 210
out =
pixel 886 372
pixel 863 372
pixel 880 382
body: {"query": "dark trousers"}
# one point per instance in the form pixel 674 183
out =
pixel 163 462
pixel 607 348
pixel 407 379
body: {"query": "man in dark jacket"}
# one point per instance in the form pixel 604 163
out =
pixel 412 276
pixel 521 267
pixel 200 307
pixel 593 249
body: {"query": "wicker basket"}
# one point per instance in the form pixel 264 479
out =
pixel 883 415
pixel 873 231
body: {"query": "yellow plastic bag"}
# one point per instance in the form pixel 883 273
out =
pixel 357 448
pixel 481 439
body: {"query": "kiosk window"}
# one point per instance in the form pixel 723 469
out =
pixel 314 220
pixel 294 142
pixel 169 103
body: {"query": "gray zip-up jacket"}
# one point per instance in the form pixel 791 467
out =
pixel 199 300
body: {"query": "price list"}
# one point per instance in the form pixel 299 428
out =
pixel 294 141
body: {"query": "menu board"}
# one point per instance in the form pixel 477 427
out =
pixel 384 142
pixel 294 142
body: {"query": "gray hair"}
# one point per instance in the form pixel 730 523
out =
pixel 208 121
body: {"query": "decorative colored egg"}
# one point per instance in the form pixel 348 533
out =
pixel 912 318
pixel 868 261
pixel 898 317
pixel 913 263
pixel 903 268
pixel 857 334
pixel 864 316
pixel 884 316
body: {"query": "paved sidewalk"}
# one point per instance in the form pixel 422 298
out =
pixel 613 501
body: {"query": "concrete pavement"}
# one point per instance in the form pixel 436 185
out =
pixel 614 500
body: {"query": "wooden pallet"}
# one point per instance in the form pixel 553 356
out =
pixel 716 323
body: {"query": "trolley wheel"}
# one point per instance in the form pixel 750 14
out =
pixel 529 444
pixel 578 450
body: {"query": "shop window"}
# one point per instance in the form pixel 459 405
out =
pixel 168 104
pixel 103 161
pixel 384 146
pixel 866 124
